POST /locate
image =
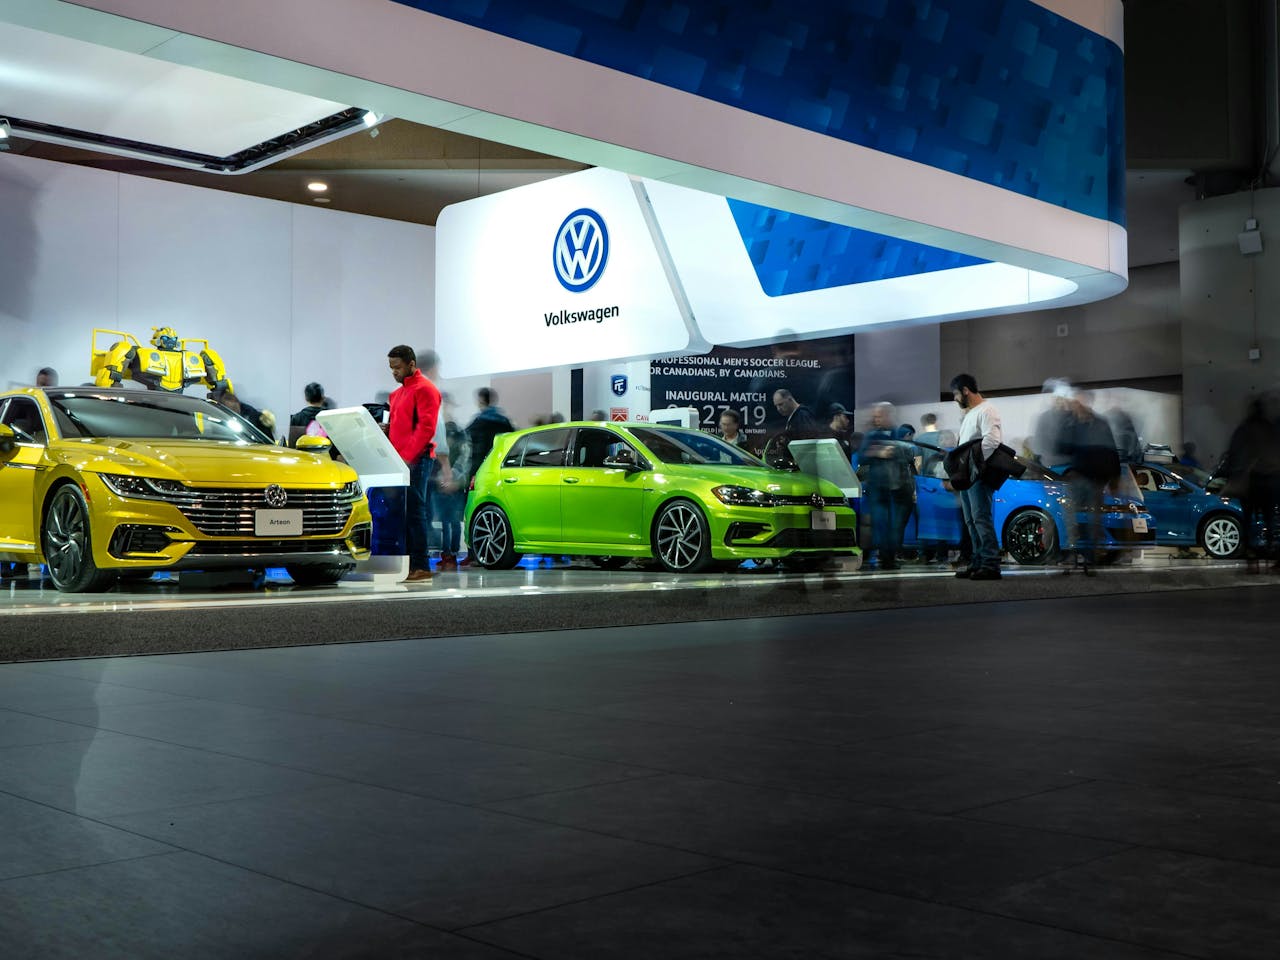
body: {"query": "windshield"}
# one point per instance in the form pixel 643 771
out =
pixel 688 446
pixel 137 416
pixel 1036 472
pixel 1192 475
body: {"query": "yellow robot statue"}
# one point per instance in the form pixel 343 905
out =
pixel 170 364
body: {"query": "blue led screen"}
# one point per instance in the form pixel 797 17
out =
pixel 1001 91
pixel 795 254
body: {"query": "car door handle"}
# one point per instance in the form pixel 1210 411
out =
pixel 570 479
pixel 510 479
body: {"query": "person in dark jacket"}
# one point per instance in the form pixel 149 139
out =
pixel 800 424
pixel 1252 469
pixel 1094 462
pixel 484 427
pixel 884 464
pixel 313 393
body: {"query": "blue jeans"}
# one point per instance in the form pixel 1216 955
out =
pixel 418 513
pixel 888 518
pixel 447 508
pixel 975 506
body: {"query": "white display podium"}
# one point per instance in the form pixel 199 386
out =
pixel 364 447
pixel 688 417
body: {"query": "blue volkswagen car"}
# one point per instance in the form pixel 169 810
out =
pixel 1031 517
pixel 1187 509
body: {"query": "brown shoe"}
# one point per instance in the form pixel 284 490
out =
pixel 418 576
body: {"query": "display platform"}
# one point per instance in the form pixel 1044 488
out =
pixel 174 614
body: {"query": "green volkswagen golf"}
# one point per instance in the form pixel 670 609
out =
pixel 617 491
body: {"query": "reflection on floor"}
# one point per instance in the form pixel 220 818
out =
pixel 539 575
pixel 1086 779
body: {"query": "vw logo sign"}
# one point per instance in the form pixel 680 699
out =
pixel 276 496
pixel 581 250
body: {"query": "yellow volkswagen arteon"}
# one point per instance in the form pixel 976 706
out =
pixel 99 482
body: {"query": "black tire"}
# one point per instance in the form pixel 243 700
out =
pixel 318 574
pixel 67 544
pixel 491 540
pixel 1221 536
pixel 681 538
pixel 610 563
pixel 1031 538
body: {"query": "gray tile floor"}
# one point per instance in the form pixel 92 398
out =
pixel 1093 777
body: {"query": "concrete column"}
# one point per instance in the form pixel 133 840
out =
pixel 1231 312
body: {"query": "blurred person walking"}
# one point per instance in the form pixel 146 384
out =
pixel 731 430
pixel 483 428
pixel 449 489
pixel 884 466
pixel 1094 458
pixel 1252 469
pixel 980 437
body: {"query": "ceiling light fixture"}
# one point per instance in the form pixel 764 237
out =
pixel 4 130
pixel 370 118
pixel 320 199
pixel 317 186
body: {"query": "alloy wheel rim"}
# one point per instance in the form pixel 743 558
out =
pixel 66 539
pixel 1027 540
pixel 489 534
pixel 1221 538
pixel 679 537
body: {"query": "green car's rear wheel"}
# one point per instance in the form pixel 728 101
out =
pixel 681 539
pixel 66 543
pixel 491 540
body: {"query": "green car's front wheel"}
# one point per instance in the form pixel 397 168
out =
pixel 681 538
pixel 491 540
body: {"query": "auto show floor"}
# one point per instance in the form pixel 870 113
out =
pixel 1086 777
pixel 185 612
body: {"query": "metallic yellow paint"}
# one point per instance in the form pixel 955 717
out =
pixel 31 473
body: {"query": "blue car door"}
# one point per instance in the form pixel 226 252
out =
pixel 1170 504
pixel 937 511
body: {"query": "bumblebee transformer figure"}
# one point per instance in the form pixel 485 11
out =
pixel 170 364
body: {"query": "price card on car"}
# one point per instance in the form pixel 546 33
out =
pixel 1139 525
pixel 277 523
pixel 822 520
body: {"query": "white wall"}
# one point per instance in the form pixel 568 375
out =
pixel 285 293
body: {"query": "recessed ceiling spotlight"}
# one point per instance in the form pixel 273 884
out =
pixel 317 186
pixel 320 199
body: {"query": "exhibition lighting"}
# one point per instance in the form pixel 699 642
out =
pixel 5 130
pixel 370 118
pixel 317 186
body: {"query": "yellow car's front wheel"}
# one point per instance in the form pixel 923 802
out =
pixel 66 541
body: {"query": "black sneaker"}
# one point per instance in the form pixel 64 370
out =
pixel 985 574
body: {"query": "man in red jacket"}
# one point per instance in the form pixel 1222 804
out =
pixel 415 407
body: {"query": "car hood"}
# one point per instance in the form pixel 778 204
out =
pixel 781 482
pixel 203 462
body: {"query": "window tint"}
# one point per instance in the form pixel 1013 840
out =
pixel 593 445
pixel 23 415
pixel 546 448
pixel 687 446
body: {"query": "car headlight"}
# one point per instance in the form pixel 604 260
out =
pixel 351 491
pixel 742 496
pixel 146 488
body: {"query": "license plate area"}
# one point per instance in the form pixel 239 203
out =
pixel 1139 525
pixel 277 523
pixel 822 520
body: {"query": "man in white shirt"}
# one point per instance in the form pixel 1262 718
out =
pixel 981 422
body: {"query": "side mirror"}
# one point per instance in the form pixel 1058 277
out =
pixel 309 442
pixel 622 460
pixel 7 438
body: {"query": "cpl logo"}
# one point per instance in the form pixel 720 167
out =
pixel 581 250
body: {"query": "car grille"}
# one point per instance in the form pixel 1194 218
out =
pixel 812 539
pixel 807 500
pixel 229 513
pixel 268 548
